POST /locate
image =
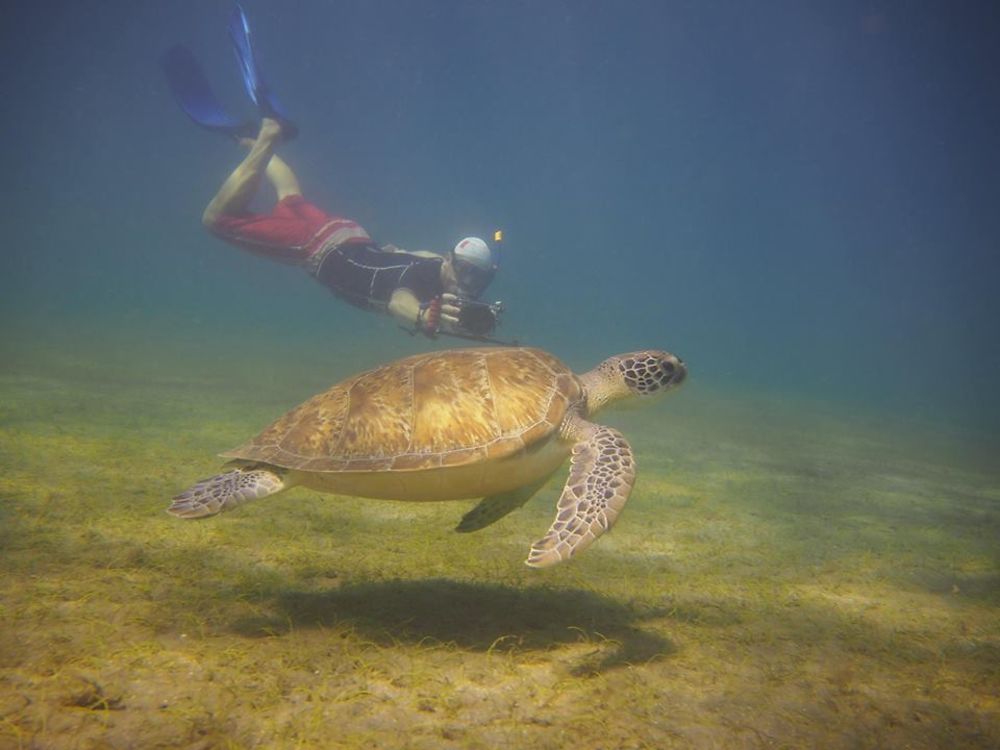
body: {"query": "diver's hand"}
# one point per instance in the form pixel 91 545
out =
pixel 429 318
pixel 449 312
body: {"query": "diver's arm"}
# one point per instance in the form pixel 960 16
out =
pixel 406 308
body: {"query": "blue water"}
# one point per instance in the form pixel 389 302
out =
pixel 798 198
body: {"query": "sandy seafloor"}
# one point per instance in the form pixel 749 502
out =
pixel 786 575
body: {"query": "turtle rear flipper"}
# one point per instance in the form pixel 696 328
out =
pixel 601 475
pixel 491 509
pixel 226 491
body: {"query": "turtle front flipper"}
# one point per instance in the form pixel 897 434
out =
pixel 491 509
pixel 226 491
pixel 601 475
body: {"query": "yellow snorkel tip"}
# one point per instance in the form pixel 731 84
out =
pixel 498 236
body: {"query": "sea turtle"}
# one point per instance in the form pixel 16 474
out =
pixel 491 423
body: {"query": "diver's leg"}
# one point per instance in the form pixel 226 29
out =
pixel 282 178
pixel 239 188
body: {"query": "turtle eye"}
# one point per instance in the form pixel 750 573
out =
pixel 652 373
pixel 666 372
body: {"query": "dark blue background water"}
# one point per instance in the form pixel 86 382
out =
pixel 798 197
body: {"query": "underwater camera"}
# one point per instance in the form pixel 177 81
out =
pixel 478 318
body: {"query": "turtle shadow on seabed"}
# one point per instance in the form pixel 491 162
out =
pixel 474 616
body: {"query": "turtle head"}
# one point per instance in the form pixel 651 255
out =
pixel 644 374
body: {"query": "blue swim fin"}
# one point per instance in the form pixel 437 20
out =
pixel 191 90
pixel 257 89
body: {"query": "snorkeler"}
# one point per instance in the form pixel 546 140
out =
pixel 426 292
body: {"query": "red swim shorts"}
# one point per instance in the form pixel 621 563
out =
pixel 291 233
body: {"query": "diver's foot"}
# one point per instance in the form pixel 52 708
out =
pixel 277 127
pixel 270 129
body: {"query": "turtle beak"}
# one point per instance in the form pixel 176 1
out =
pixel 680 373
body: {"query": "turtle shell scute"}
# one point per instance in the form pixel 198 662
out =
pixel 434 410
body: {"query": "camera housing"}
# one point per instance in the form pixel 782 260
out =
pixel 477 318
